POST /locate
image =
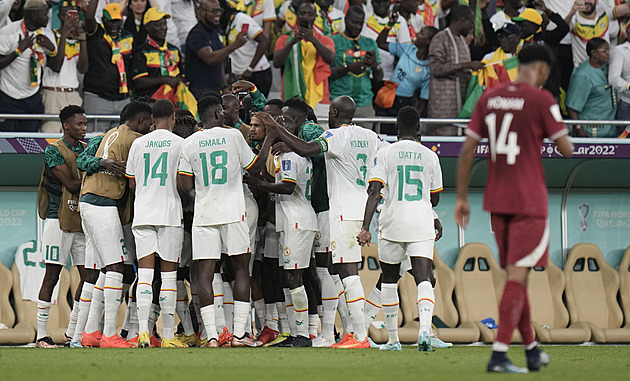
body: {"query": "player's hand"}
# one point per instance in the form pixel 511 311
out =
pixel 279 148
pixel 116 167
pixel 476 65
pixel 438 229
pixel 241 86
pixel 364 238
pixel 25 43
pixel 250 180
pixel 462 213
pixel 267 119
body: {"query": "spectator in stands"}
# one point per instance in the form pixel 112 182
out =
pixel 25 47
pixel 329 20
pixel 262 11
pixel 408 10
pixel 450 66
pixel 315 51
pixel 105 87
pixel 619 75
pixel 249 61
pixel 509 37
pixel 412 70
pixel 183 14
pixel 357 65
pixel 594 19
pixel 398 33
pixel 60 86
pixel 155 62
pixel 172 35
pixel 133 22
pixel 590 96
pixel 11 10
pixel 426 12
pixel 287 17
pixel 511 9
pixel 205 52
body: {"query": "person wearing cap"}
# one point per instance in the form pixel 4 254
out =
pixel 593 19
pixel 511 9
pixel 509 43
pixel 156 62
pixel 106 88
pixel 60 86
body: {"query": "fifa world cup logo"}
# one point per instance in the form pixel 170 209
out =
pixel 583 213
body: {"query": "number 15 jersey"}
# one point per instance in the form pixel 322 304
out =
pixel 516 118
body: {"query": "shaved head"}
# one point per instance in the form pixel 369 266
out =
pixel 344 105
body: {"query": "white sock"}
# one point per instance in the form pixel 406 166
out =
pixel 43 311
pixel 113 297
pixel 355 301
pixel 288 305
pixel 207 315
pixel 372 306
pixel 282 317
pixel 219 306
pixel 228 306
pixel 330 300
pixel 74 315
pixel 300 310
pixel 271 316
pixel 259 309
pixel 426 303
pixel 390 310
pixel 96 306
pixel 154 315
pixel 134 327
pixel 168 299
pixel 248 325
pixel 181 307
pixel 84 310
pixel 241 311
pixel 144 297
pixel 313 324
pixel 342 307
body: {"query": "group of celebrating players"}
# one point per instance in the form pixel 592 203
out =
pixel 276 224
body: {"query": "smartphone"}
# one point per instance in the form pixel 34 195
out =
pixel 244 28
pixel 303 24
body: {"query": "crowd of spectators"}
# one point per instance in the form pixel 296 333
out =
pixel 384 54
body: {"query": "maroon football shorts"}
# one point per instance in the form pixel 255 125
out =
pixel 523 240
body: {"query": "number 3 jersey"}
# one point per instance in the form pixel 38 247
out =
pixel 349 150
pixel 516 118
pixel 409 172
pixel 216 158
pixel 152 162
pixel 295 210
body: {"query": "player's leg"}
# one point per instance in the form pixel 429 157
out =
pixel 92 335
pixel 182 307
pixel 76 244
pixel 85 300
pixel 206 245
pixel 342 306
pixel 314 293
pixel 330 299
pixel 390 302
pixel 147 245
pixel 373 303
pixel 421 254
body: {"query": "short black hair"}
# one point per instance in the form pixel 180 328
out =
pixel 298 105
pixel 182 112
pixel 69 112
pixel 163 108
pixel 356 9
pixel 275 102
pixel 408 119
pixel 135 108
pixel 594 44
pixel 432 31
pixel 184 125
pixel 311 115
pixel 206 103
pixel 145 98
pixel 459 12
pixel 535 53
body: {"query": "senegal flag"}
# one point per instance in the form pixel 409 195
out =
pixel 180 96
pixel 493 74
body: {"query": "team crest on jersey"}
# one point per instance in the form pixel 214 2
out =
pixel 333 245
pixel 318 235
pixel 287 251
pixel 286 165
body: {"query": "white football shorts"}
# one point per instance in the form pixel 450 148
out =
pixel 102 223
pixel 272 241
pixel 322 236
pixel 166 241
pixel 393 252
pixel 58 245
pixel 343 241
pixel 297 246
pixel 208 241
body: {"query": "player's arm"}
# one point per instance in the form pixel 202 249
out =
pixel 297 145
pixel 464 165
pixel 435 199
pixel 62 173
pixel 283 187
pixel 621 11
pixel 565 146
pixel 185 183
pixel 374 198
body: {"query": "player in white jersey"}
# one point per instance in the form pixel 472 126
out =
pixel 348 150
pixel 152 173
pixel 409 176
pixel 297 223
pixel 212 161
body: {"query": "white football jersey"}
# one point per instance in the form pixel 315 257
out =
pixel 349 150
pixel 216 158
pixel 409 172
pixel 152 162
pixel 295 209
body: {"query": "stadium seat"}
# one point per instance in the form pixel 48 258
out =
pixel 624 291
pixel 22 333
pixel 478 288
pixel 26 310
pixel 592 287
pixel 444 307
pixel 548 313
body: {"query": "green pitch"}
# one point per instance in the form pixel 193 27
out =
pixel 458 363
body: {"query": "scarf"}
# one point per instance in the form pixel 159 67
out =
pixel 36 60
pixel 168 63
pixel 323 21
pixel 117 59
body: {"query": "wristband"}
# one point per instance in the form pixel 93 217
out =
pixel 17 52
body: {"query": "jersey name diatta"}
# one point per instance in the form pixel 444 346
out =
pixel 409 155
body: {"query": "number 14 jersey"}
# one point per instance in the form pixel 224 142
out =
pixel 516 118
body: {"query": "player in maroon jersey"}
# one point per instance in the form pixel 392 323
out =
pixel 515 118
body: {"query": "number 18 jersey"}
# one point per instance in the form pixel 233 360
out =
pixel 516 118
pixel 409 172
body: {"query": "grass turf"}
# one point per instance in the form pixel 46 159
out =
pixel 459 362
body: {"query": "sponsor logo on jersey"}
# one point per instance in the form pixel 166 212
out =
pixel 286 165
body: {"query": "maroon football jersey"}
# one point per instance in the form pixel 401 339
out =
pixel 515 118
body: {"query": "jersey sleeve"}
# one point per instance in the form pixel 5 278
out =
pixel 248 157
pixel 139 65
pixel 477 127
pixel 130 171
pixel 185 167
pixel 378 170
pixel 436 177
pixel 331 142
pixel 289 168
pixel 87 160
pixel 53 157
pixel 269 11
pixel 552 119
